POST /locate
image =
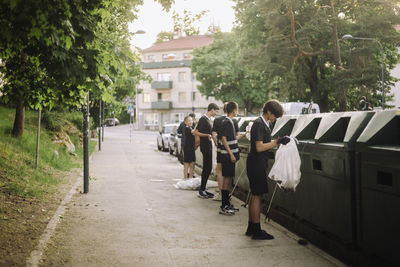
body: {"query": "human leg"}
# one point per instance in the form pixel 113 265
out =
pixel 191 169
pixel 207 165
pixel 185 169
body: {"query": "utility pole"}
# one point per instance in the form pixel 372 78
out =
pixel 86 146
pixel 38 138
pixel 102 122
pixel 100 125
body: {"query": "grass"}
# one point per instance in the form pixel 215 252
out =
pixel 18 174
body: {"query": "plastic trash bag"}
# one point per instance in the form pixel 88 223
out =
pixel 248 129
pixel 286 169
pixel 193 184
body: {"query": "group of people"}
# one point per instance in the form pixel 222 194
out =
pixel 224 132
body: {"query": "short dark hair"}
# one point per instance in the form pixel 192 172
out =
pixel 226 103
pixel 212 106
pixel 192 115
pixel 231 106
pixel 187 117
pixel 274 107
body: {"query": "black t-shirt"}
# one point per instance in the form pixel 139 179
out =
pixel 204 126
pixel 229 130
pixel 189 140
pixel 181 130
pixel 259 132
pixel 218 125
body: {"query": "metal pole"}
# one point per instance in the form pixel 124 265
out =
pixel 102 122
pixel 136 109
pixel 38 138
pixel 100 125
pixel 86 147
pixel 192 96
pixel 130 127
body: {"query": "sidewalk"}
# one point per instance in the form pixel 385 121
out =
pixel 133 216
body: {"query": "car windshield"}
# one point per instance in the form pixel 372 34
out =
pixel 168 129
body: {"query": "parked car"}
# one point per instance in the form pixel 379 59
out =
pixel 174 143
pixel 297 108
pixel 111 122
pixel 163 136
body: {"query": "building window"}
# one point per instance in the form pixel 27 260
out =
pixel 193 96
pixel 146 98
pixel 163 96
pixel 181 76
pixel 151 58
pixel 165 76
pixel 168 57
pixel 177 117
pixel 151 119
pixel 187 56
pixel 182 97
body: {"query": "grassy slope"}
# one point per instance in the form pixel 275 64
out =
pixel 18 174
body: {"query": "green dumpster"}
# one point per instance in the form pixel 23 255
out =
pixel 378 157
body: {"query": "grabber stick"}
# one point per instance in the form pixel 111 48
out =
pixel 247 199
pixel 270 204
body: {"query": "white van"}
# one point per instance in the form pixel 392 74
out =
pixel 297 108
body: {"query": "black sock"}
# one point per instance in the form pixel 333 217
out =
pixel 257 227
pixel 225 197
pixel 250 227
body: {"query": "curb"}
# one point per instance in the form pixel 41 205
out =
pixel 37 253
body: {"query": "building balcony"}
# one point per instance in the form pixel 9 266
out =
pixel 161 105
pixel 166 64
pixel 161 85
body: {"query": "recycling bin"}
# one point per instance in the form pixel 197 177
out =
pixel 378 186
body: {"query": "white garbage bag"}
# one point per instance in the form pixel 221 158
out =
pixel 286 169
pixel 193 184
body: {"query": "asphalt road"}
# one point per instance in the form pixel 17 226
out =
pixel 133 216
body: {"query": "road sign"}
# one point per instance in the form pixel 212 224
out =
pixel 131 109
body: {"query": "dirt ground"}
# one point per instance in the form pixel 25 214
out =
pixel 22 220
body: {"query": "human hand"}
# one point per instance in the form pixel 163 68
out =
pixel 283 140
pixel 233 158
pixel 209 137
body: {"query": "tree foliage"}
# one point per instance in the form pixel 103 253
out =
pixel 57 51
pixel 298 43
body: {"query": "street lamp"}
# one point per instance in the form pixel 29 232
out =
pixel 136 92
pixel 349 36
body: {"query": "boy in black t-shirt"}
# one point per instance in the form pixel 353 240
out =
pixel 257 164
pixel 203 130
pixel 229 154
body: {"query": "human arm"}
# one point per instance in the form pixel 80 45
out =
pixel 261 147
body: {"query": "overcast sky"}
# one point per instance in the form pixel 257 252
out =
pixel 152 19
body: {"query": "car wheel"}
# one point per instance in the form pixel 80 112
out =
pixel 176 151
pixel 170 150
pixel 163 147
pixel 158 146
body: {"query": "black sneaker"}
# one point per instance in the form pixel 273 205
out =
pixel 250 232
pixel 233 208
pixel 225 210
pixel 262 235
pixel 203 194
pixel 210 195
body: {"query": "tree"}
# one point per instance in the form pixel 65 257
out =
pixel 298 42
pixel 183 25
pixel 55 52
pixel 221 72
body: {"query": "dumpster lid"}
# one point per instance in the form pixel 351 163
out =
pixel 382 130
pixel 284 125
pixel 306 126
pixel 342 127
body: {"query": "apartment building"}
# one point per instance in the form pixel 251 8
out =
pixel 173 92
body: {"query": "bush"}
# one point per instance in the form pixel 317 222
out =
pixel 53 121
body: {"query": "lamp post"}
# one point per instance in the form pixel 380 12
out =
pixel 349 36
pixel 136 92
pixel 192 95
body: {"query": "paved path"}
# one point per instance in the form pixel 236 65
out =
pixel 133 216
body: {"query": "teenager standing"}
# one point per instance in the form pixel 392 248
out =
pixel 257 164
pixel 203 130
pixel 189 156
pixel 229 155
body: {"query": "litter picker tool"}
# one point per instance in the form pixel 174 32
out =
pixel 270 204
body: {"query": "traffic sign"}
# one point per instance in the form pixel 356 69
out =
pixel 131 108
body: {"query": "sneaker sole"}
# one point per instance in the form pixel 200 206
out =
pixel 205 197
pixel 217 199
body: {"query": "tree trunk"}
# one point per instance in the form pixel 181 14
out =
pixel 340 91
pixel 18 128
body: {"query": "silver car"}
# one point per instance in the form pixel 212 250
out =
pixel 163 136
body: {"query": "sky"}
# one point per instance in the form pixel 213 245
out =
pixel 153 19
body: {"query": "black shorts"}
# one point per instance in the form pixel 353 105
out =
pixel 257 173
pixel 228 168
pixel 219 157
pixel 189 155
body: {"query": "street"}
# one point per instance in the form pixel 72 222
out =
pixel 133 216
